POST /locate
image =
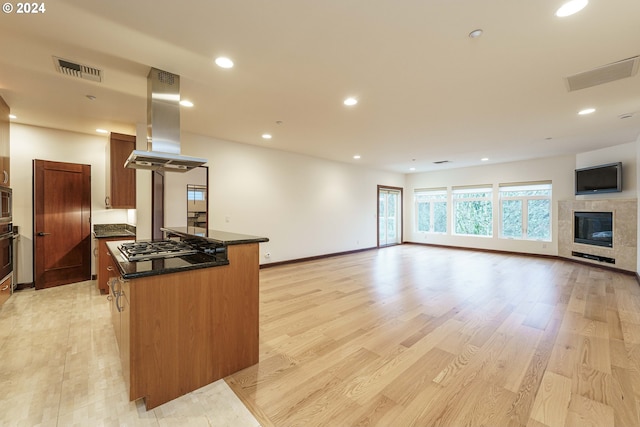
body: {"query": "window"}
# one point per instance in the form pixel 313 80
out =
pixel 526 211
pixel 196 192
pixel 473 211
pixel 431 210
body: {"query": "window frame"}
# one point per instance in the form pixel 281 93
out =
pixel 525 186
pixel 432 196
pixel 471 190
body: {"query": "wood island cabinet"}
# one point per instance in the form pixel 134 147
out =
pixel 121 181
pixel 4 144
pixel 120 318
pixel 106 264
pixel 180 331
pixel 5 290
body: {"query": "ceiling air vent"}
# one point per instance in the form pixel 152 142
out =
pixel 605 74
pixel 439 162
pixel 74 69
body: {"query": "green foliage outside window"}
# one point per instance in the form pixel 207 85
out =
pixel 431 211
pixel 526 212
pixel 474 217
pixel 539 220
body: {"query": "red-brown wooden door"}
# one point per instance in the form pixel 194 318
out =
pixel 62 223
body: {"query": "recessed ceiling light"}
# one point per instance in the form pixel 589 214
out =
pixel 350 101
pixel 357 156
pixel 484 159
pixel 571 7
pixel 266 136
pixel 412 169
pixel 91 97
pixel 586 111
pixel 102 131
pixel 186 103
pixel 224 62
pixel 475 33
pixel 12 116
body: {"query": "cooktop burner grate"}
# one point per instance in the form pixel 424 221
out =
pixel 145 250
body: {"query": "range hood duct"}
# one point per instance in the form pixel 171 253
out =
pixel 163 128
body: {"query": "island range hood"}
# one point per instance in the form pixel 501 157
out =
pixel 163 128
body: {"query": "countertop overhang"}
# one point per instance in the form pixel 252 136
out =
pixel 223 237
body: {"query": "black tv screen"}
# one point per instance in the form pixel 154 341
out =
pixel 599 179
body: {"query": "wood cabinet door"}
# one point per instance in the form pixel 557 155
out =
pixel 5 290
pixel 122 188
pixel 115 313
pixel 125 336
pixel 106 268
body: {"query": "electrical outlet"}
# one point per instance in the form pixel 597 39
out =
pixel 267 255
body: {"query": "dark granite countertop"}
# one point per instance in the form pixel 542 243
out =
pixel 103 231
pixel 224 237
pixel 137 269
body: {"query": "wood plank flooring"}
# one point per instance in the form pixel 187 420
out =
pixel 420 336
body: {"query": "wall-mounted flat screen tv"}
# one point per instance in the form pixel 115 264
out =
pixel 599 179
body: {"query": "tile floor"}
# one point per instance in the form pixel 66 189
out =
pixel 59 366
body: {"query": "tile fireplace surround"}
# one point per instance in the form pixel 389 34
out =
pixel 625 224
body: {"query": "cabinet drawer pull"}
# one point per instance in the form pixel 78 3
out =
pixel 4 289
pixel 5 177
pixel 109 268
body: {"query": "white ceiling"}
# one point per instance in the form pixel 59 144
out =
pixel 426 90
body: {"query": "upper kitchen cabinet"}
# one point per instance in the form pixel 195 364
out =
pixel 4 143
pixel 121 181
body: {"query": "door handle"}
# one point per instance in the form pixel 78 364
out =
pixel 42 233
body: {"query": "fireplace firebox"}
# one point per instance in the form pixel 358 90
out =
pixel 593 228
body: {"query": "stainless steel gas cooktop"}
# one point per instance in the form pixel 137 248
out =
pixel 145 250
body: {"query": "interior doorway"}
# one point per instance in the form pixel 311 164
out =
pixel 61 223
pixel 186 199
pixel 389 216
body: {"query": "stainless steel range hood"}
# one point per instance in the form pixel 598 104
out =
pixel 163 128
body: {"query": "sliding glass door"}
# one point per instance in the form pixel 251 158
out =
pixel 389 216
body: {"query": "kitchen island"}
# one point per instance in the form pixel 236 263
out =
pixel 182 324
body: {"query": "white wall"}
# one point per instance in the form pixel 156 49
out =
pixel 29 143
pixel 305 206
pixel 141 216
pixel 559 170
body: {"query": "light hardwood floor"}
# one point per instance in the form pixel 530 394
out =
pixel 421 336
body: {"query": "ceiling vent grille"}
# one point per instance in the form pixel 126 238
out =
pixel 605 74
pixel 74 69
